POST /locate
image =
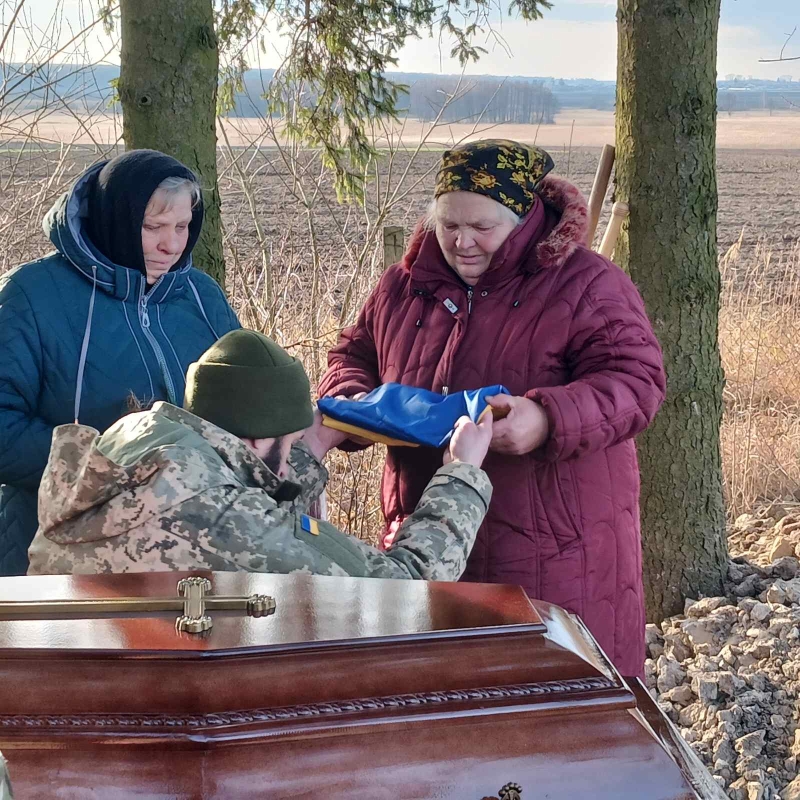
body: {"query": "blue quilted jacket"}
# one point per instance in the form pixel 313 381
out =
pixel 78 337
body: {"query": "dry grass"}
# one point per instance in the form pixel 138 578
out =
pixel 760 344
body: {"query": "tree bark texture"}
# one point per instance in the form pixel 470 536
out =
pixel 168 89
pixel 666 172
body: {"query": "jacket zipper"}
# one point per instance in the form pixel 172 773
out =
pixel 470 293
pixel 144 321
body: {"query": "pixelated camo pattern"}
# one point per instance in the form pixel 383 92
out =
pixel 5 783
pixel 165 490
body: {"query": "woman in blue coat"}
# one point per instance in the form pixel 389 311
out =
pixel 115 316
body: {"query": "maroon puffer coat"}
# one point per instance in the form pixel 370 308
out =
pixel 557 323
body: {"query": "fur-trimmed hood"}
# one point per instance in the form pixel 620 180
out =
pixel 569 233
pixel 554 236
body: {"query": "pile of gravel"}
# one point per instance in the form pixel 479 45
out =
pixel 727 671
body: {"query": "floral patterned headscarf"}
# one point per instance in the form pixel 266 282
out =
pixel 506 171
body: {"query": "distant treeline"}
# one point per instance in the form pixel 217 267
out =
pixel 493 100
pixel 489 98
pixel 87 88
pixel 786 96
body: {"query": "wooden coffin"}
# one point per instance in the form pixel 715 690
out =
pixel 351 688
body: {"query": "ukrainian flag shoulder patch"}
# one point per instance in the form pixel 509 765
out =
pixel 309 524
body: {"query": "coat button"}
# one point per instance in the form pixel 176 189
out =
pixel 484 293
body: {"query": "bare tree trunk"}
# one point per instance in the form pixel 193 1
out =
pixel 168 89
pixel 666 172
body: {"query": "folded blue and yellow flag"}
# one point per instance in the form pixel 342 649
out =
pixel 404 415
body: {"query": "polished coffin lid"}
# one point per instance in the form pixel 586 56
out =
pixel 351 688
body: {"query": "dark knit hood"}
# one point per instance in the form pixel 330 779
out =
pixel 117 199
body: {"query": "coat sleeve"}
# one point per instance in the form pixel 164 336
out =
pixel 308 473
pixel 252 532
pixel 434 542
pixel 24 437
pixel 353 362
pixel 618 381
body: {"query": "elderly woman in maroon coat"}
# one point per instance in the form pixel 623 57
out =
pixel 497 288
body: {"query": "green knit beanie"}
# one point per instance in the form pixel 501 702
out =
pixel 250 387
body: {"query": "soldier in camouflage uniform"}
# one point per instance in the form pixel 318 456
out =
pixel 227 487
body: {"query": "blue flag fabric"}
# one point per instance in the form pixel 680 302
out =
pixel 408 414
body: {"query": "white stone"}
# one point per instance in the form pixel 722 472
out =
pixel 755 791
pixel 723 750
pixel 652 634
pixel 776 594
pixel 751 744
pixel 703 607
pixel 749 587
pixel 786 568
pixel 697 631
pixel 707 689
pixel 790 588
pixel 761 612
pixel 792 791
pixel 682 695
pixel 730 673
pixel 691 715
pixel 738 790
pixel 670 674
pixel 783 547
pixel 788 526
pixel 730 684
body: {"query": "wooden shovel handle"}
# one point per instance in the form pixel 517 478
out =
pixel 599 190
pixel 619 212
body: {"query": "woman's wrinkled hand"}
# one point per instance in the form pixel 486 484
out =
pixel 470 441
pixel 523 428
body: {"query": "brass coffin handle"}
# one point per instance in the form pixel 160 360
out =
pixel 195 601
pixel 192 600
pixel 194 618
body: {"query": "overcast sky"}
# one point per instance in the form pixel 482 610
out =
pixel 576 39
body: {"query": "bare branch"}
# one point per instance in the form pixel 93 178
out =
pixel 50 59
pixel 788 39
pixel 781 57
pixel 11 22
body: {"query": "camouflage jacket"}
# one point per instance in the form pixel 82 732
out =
pixel 5 784
pixel 166 490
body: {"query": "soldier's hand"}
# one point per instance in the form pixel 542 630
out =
pixel 320 439
pixel 470 442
